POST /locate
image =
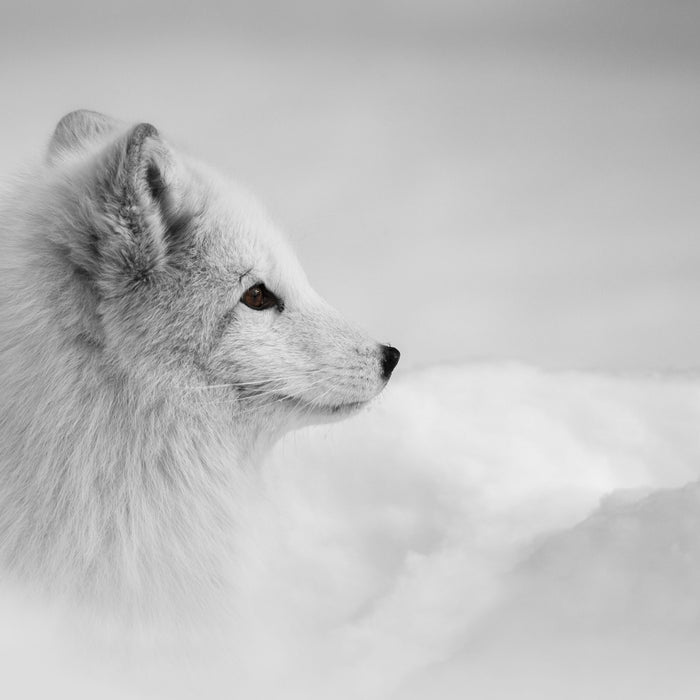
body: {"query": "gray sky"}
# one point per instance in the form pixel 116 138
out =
pixel 467 180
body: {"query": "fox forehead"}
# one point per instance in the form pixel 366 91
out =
pixel 241 240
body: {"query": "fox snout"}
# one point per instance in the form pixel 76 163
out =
pixel 390 358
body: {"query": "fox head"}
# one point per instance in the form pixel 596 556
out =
pixel 173 276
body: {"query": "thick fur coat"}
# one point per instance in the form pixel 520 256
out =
pixel 156 334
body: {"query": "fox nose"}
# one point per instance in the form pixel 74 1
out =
pixel 390 358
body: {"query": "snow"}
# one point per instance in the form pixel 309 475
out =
pixel 491 517
pixel 492 528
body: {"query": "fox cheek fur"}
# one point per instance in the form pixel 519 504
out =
pixel 156 332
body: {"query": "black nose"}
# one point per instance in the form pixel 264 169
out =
pixel 390 358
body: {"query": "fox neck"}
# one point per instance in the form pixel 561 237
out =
pixel 120 497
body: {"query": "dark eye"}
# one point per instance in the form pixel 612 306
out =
pixel 259 297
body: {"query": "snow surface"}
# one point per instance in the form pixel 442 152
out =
pixel 486 531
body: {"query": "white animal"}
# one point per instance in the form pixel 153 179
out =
pixel 156 334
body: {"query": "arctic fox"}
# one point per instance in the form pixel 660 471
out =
pixel 156 335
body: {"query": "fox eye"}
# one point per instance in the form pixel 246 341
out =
pixel 259 297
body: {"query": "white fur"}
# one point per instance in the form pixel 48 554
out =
pixel 135 388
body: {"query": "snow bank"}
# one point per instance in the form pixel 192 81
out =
pixel 391 537
pixel 495 530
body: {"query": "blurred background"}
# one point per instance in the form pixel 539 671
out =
pixel 467 179
pixel 470 180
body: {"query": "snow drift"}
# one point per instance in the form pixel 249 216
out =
pixel 483 530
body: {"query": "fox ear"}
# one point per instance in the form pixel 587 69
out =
pixel 137 174
pixel 76 130
pixel 134 213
